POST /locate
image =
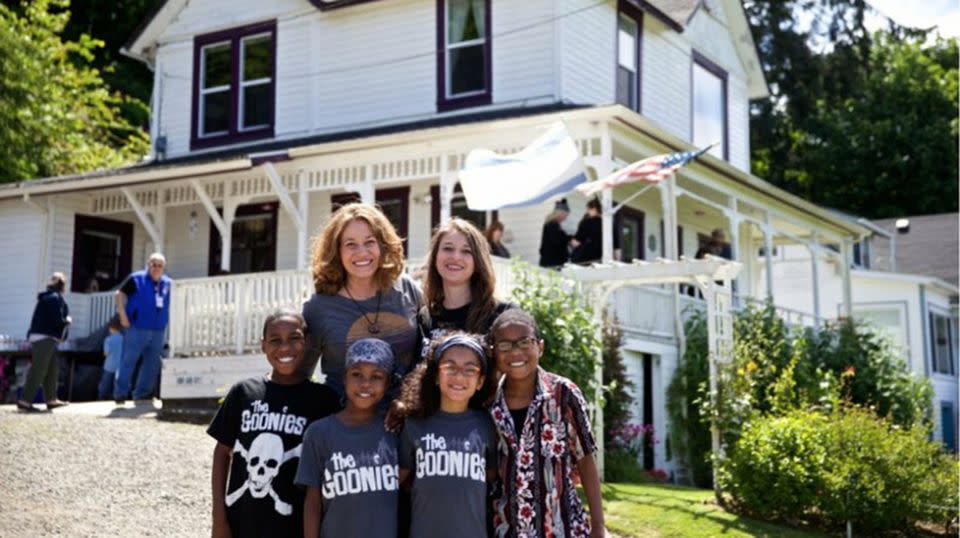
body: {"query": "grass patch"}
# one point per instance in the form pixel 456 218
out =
pixel 655 510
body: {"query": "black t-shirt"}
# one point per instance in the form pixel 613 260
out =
pixel 264 423
pixel 455 319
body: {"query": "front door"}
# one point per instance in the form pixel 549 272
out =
pixel 629 236
pixel 102 253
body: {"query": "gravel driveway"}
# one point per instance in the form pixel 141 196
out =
pixel 93 470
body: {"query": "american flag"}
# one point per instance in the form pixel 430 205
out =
pixel 650 170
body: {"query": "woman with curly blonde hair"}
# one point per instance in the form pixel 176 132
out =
pixel 360 292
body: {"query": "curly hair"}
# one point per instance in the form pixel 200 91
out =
pixel 329 275
pixel 420 395
pixel 482 282
pixel 512 316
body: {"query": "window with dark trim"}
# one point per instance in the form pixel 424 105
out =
pixel 629 31
pixel 943 340
pixel 253 241
pixel 234 82
pixel 709 114
pixel 464 61
pixel 102 253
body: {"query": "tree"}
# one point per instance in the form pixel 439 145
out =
pixel 840 125
pixel 56 114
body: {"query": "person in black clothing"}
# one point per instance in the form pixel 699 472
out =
pixel 715 247
pixel 48 328
pixel 494 235
pixel 589 235
pixel 554 241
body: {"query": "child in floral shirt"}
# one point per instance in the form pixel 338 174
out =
pixel 545 441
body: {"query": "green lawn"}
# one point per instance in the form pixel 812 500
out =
pixel 642 510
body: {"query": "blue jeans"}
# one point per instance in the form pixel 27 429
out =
pixel 136 342
pixel 105 388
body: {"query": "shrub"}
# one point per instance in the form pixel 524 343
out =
pixel 621 466
pixel 776 369
pixel 845 465
pixel 566 322
pixel 616 409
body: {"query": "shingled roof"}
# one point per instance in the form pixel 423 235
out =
pixel 931 246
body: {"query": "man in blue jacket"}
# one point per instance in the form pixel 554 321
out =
pixel 143 305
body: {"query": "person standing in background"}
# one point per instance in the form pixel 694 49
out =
pixel 48 327
pixel 554 241
pixel 143 304
pixel 494 235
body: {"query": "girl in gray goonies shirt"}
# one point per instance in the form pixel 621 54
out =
pixel 448 444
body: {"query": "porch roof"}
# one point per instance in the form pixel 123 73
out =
pixel 441 134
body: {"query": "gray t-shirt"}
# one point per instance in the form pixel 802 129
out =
pixel 449 455
pixel 335 322
pixel 356 471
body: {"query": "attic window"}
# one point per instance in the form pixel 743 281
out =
pixel 234 81
pixel 464 58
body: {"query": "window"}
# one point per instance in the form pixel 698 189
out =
pixel 253 241
pixel 458 208
pixel 709 106
pixel 947 429
pixel 102 253
pixel 629 234
pixel 464 60
pixel 234 73
pixel 890 320
pixel 629 23
pixel 943 343
pixel 861 254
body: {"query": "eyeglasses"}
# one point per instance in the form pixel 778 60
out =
pixel 450 369
pixel 523 344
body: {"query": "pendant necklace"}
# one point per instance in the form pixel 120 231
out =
pixel 373 327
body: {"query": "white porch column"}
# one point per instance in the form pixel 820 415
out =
pixel 814 248
pixel 603 168
pixel 734 219
pixel 448 182
pixel 302 206
pixel 296 213
pixel 668 208
pixel 367 192
pixel 845 253
pixel 229 212
pixel 156 235
pixel 768 256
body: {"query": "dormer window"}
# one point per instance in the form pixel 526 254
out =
pixel 629 25
pixel 464 59
pixel 710 106
pixel 233 85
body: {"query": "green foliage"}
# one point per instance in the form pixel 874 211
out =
pixel 776 370
pixel 567 326
pixel 616 410
pixel 858 121
pixel 839 466
pixel 56 114
pixel 621 465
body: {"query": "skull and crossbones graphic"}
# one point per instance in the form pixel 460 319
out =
pixel 264 459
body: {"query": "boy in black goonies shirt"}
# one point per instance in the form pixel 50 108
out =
pixel 259 430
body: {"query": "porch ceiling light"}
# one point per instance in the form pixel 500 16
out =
pixel 902 225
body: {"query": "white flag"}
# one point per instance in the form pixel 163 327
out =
pixel 550 166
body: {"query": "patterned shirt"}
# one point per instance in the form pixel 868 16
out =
pixel 538 469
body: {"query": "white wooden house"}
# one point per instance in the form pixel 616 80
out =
pixel 266 114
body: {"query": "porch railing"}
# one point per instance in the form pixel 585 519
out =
pixel 89 311
pixel 225 314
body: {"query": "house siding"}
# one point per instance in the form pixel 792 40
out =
pixel 588 52
pixel 22 274
pixel 666 78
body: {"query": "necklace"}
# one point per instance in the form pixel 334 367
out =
pixel 372 326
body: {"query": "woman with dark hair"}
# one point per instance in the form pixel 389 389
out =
pixel 459 285
pixel 361 292
pixel 554 241
pixel 589 235
pixel 494 235
pixel 48 328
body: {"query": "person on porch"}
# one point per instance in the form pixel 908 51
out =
pixel 554 241
pixel 143 305
pixel 589 235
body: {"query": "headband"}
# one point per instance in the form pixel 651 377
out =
pixel 370 350
pixel 462 341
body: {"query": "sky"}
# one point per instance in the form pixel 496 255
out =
pixel 945 14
